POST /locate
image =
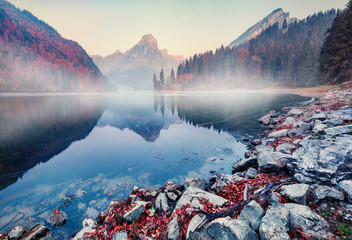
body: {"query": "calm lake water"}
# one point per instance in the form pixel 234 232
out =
pixel 80 152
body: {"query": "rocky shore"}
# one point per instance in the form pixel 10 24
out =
pixel 295 182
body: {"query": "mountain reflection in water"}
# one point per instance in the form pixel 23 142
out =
pixel 52 147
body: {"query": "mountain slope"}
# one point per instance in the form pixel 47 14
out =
pixel 287 58
pixel 34 57
pixel 277 16
pixel 336 53
pixel 134 68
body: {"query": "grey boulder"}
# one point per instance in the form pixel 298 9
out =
pixel 296 192
pixel 313 225
pixel 252 213
pixel 136 212
pixel 346 187
pixel 161 203
pixel 327 193
pixel 195 182
pixel 275 224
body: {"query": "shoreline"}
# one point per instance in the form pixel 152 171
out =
pixel 301 187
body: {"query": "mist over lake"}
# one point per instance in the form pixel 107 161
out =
pixel 79 152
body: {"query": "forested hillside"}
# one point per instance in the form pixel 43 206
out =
pixel 34 57
pixel 336 53
pixel 287 56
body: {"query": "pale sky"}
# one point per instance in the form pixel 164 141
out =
pixel 184 27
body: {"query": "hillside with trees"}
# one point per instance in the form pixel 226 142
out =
pixel 279 56
pixel 336 53
pixel 34 57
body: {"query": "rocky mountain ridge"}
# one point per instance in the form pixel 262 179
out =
pixel 134 68
pixel 277 16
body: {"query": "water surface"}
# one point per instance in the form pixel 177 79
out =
pixel 79 152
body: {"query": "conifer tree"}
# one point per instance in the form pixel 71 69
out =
pixel 336 53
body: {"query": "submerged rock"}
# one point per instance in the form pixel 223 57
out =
pixel 57 218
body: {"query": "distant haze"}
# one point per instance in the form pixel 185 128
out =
pixel 183 27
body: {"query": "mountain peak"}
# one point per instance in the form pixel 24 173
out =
pixel 276 16
pixel 148 40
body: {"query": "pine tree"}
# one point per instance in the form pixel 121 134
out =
pixel 172 77
pixel 162 79
pixel 336 53
pixel 155 83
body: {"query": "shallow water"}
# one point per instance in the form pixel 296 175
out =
pixel 80 152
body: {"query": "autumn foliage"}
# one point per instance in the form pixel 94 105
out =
pixel 34 57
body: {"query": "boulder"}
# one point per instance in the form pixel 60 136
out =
pixel 120 236
pixel 252 213
pixel 285 148
pixel 296 192
pixel 172 196
pixel 57 218
pixel 88 227
pixel 193 196
pixel 313 225
pixel 318 116
pixel 16 233
pixel 334 131
pixel 227 229
pixel 288 121
pixel 279 133
pixel 88 222
pixel 173 229
pixel 136 212
pixel 256 142
pixel 265 120
pixel 219 181
pixel 244 164
pixel 38 232
pixel 195 182
pixel 327 193
pixel 295 112
pixel 324 162
pixel 318 128
pixel 161 203
pixel 270 161
pixel 346 187
pixel 193 224
pixel 171 187
pixel 251 172
pixel 275 224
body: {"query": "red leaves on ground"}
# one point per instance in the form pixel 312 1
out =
pixel 235 192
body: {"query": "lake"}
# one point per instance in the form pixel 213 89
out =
pixel 79 152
